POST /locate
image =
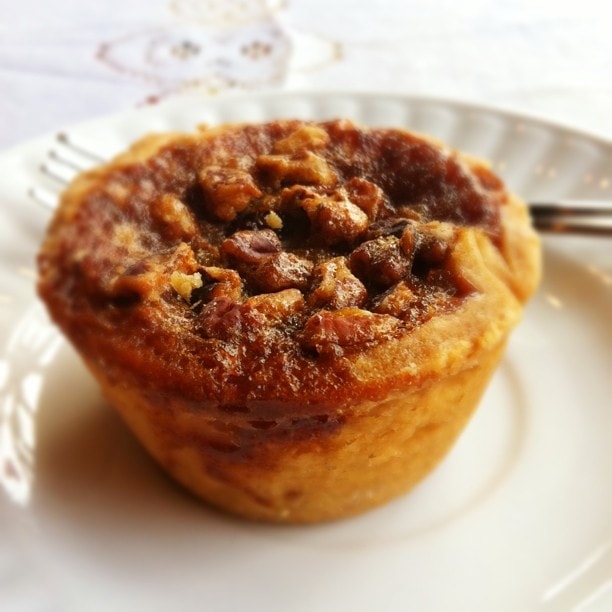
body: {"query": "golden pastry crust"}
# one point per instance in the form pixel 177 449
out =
pixel 295 318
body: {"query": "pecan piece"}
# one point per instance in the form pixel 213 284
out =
pixel 305 167
pixel 227 191
pixel 222 282
pixel 280 271
pixel 276 307
pixel 305 137
pixel 434 242
pixel 176 219
pixel 147 278
pixel 228 320
pixel 259 258
pixel 380 261
pixel 395 301
pixel 333 217
pixel 336 287
pixel 250 246
pixel 391 226
pixel 409 241
pixel 333 332
pixel 368 196
pixel 221 318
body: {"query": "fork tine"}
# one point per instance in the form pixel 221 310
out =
pixel 64 139
pixel 66 159
pixel 59 172
pixel 44 198
pixel 69 163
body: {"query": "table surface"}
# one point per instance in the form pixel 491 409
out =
pixel 79 59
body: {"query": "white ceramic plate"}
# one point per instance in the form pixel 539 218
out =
pixel 519 516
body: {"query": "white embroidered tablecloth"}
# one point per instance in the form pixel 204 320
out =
pixel 65 62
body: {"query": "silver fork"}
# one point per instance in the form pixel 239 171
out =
pixel 65 159
pixel 587 217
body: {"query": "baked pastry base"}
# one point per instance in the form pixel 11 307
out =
pixel 328 475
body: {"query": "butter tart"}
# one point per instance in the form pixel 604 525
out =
pixel 296 319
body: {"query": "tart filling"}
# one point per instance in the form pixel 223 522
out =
pixel 311 240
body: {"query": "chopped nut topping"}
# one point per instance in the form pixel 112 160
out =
pixel 277 307
pixel 434 242
pixel 259 258
pixel 145 279
pixel 336 287
pixel 365 194
pixel 331 234
pixel 177 219
pixel 250 246
pixel 332 332
pixel 305 137
pixel 184 284
pixel 395 301
pixel 221 318
pixel 409 240
pixel 389 226
pixel 306 168
pixel 274 221
pixel 222 282
pixel 334 218
pixel 280 271
pixel 380 261
pixel 228 191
